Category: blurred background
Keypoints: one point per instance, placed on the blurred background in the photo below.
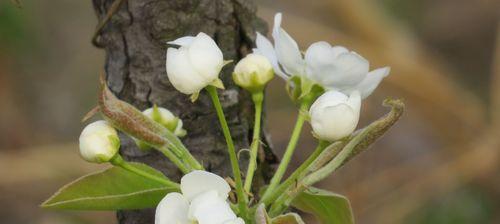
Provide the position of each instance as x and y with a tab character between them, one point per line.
439	164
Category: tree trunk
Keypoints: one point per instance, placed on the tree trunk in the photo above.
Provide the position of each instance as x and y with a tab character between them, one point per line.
134	39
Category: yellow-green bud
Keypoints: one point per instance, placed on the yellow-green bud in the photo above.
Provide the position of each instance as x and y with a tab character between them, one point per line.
165	118
99	142
253	72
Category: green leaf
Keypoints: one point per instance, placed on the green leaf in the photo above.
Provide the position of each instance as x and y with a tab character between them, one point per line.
289	218
327	207
111	189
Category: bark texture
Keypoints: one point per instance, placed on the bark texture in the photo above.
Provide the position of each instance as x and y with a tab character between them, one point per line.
134	39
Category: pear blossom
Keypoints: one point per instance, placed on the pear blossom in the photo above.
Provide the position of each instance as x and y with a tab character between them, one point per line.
253	72
203	201
335	115
332	67
195	64
99	142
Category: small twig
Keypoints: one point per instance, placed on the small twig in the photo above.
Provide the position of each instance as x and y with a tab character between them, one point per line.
112	10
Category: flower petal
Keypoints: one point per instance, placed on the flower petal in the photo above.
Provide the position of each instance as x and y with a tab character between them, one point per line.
206	57
372	80
181	73
350	69
200	181
287	50
319	60
329	126
183	41
173	208
266	49
209	208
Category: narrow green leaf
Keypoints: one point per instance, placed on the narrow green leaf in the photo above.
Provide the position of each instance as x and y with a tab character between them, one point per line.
327	207
111	189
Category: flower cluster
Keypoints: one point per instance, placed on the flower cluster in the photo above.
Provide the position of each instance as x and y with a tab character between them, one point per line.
333	68
328	82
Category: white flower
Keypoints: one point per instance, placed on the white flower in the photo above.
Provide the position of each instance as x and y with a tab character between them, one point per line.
333	68
203	201
99	142
335	115
195	64
166	118
253	72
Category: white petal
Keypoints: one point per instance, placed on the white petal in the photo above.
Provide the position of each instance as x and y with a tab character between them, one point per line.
337	50
200	181
372	80
287	50
266	49
319	60
335	122
183	41
181	73
206	57
209	208
235	221
172	209
354	101
329	98
350	69
334	115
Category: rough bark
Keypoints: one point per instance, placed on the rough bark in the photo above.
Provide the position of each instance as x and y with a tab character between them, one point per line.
135	38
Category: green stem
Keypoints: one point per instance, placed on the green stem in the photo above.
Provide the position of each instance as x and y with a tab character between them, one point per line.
232	151
304	106
299	172
172	157
257	100
118	161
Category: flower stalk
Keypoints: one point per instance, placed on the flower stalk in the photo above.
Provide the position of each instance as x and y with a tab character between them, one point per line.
299	172
290	149
258	99
242	205
117	160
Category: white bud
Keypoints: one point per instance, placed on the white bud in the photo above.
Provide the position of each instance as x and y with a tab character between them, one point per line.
334	115
195	64
166	118
99	142
253	72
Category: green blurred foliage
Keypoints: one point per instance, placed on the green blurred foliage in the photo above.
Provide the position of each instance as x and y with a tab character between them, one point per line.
463	206
15	31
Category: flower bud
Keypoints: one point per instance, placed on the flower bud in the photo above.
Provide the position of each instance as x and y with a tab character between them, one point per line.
166	118
253	72
195	64
334	115
99	142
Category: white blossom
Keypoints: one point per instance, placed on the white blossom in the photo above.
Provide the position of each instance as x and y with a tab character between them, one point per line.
99	142
203	201
335	115
332	67
195	64
253	72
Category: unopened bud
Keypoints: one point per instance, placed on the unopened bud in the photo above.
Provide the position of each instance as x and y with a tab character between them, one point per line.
99	142
253	72
167	119
335	115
